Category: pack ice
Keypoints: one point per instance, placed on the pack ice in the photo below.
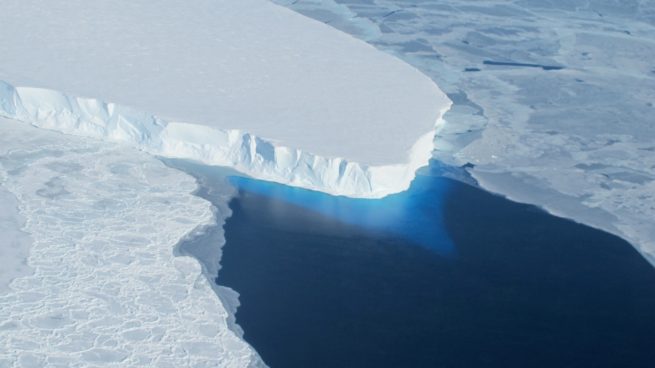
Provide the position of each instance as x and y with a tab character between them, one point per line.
246	84
103	285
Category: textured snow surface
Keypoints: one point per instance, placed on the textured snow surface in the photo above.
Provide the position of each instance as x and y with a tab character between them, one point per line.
106	288
553	101
288	81
14	243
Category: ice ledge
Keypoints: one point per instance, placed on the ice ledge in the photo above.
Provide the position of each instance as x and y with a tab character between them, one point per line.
234	148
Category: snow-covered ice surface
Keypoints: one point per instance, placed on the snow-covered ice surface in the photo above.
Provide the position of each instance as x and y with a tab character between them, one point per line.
14	243
553	101
270	92
105	287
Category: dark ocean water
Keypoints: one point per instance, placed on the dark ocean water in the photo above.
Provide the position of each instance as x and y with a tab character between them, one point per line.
444	275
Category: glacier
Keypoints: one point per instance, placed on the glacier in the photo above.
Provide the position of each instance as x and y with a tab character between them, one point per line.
98	275
105	284
248	84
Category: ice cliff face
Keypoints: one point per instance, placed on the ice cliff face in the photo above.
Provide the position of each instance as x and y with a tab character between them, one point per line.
245	152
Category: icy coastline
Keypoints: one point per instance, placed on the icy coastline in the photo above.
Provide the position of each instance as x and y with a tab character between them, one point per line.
106	286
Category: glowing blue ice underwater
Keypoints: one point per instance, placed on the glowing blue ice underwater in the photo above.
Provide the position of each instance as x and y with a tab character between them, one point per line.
415	215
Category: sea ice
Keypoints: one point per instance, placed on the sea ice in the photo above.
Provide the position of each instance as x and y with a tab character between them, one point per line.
14	243
553	101
105	286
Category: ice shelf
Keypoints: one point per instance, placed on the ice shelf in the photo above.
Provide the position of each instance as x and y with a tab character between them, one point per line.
247	84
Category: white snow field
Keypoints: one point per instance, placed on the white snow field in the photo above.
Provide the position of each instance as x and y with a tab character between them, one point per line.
104	286
578	141
247	84
14	243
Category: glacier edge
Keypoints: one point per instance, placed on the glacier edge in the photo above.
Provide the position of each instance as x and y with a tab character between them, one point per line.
249	154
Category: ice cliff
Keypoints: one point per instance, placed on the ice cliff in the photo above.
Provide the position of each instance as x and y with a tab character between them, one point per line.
235	148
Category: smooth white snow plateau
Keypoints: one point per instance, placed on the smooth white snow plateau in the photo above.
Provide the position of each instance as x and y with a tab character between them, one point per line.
246	84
